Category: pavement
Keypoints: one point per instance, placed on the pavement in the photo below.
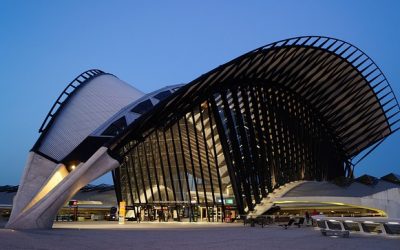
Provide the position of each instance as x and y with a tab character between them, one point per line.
173	235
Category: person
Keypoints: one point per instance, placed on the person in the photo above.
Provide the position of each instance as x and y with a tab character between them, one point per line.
308	217
166	216
160	213
138	216
315	212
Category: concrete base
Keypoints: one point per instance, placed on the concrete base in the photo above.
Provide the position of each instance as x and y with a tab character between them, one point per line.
41	213
37	171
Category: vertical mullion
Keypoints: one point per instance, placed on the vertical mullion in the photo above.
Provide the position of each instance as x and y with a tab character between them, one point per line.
236	151
314	147
246	156
233	174
281	134
185	167
216	161
306	145
154	166
290	137
200	164
263	148
252	141
117	184
162	165
207	155
141	173
297	139
267	124
191	158
129	181
148	169
276	140
169	166
132	163
176	161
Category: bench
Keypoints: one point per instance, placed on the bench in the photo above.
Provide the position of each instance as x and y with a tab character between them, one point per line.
292	221
300	222
261	220
340	233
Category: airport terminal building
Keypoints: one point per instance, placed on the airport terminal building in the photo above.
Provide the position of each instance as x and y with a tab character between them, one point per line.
293	111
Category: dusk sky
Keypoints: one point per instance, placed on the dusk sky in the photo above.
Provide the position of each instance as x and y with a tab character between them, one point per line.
150	44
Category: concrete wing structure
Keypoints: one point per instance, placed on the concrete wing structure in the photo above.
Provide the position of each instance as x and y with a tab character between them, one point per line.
383	196
297	109
84	105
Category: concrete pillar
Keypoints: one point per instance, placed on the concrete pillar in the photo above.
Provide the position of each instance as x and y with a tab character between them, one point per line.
41	214
36	173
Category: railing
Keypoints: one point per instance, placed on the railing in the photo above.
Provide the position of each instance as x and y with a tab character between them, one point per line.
67	92
363	225
268	202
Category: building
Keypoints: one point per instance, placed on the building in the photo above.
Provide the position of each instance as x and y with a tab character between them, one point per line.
93	202
295	110
366	196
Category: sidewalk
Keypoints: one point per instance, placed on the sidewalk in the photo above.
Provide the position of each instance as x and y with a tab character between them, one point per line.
175	235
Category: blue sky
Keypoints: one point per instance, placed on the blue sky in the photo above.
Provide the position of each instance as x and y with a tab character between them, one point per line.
149	44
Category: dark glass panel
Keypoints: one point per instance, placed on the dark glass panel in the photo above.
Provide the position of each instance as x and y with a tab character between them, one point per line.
116	127
143	107
162	95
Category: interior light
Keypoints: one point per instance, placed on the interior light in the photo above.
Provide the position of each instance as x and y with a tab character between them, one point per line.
337	203
393	223
73	167
348	221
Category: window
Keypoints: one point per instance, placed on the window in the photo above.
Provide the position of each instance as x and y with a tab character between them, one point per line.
367	180
162	95
143	107
116	127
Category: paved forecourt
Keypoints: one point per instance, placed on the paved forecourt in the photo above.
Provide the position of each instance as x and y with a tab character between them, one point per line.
108	235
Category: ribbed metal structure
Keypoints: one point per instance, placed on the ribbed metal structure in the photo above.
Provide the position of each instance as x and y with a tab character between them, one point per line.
296	109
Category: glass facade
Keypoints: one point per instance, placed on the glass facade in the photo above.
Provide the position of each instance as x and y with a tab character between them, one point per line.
227	153
180	166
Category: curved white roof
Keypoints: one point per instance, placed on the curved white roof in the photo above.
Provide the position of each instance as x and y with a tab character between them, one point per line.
90	106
